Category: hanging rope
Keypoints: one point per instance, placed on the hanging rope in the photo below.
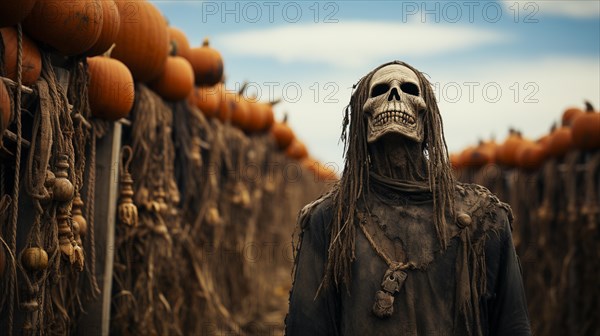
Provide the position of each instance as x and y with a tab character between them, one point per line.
15	197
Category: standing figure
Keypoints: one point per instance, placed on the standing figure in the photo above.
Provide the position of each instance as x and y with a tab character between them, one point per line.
398	247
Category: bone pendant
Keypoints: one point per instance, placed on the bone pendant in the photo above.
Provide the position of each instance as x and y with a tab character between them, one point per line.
393	280
384	304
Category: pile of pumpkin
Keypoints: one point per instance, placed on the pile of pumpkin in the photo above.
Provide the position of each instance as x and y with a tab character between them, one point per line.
128	41
579	130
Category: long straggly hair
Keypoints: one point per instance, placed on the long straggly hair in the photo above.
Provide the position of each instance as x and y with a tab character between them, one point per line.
353	185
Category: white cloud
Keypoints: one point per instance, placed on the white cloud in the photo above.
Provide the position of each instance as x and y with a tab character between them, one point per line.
580	9
354	44
534	94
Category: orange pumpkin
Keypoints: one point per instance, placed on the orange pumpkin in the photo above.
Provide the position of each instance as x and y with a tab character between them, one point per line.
465	156
560	141
207	63
13	11
483	154
531	155
237	108
269	116
507	152
208	100
586	129
569	115
455	161
143	40
70	27
31	61
176	82
261	116
179	43
111	88
224	109
111	21
282	133
5	107
296	150
255	120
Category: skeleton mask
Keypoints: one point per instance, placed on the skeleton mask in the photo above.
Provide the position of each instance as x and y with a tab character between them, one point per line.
395	104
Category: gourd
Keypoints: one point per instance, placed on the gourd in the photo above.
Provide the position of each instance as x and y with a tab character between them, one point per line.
143	40
237	108
560	142
282	134
31	61
296	150
111	22
483	154
70	27
179	43
208	99
111	88
507	152
207	63
586	129
176	81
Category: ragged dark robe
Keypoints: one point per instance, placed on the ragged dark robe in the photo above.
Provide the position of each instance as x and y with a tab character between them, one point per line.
474	287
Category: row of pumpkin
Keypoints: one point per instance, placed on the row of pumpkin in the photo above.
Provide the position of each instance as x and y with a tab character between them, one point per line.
130	41
579	130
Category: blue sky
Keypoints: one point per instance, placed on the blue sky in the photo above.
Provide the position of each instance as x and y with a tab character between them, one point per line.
495	64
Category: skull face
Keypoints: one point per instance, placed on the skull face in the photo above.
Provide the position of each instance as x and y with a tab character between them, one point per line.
395	104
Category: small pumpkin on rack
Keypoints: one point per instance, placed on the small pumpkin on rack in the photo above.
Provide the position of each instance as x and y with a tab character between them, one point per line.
507	152
261	115
143	40
208	99
282	133
238	108
296	150
176	81
465	156
179	43
111	22
569	115
70	27
111	88
207	63
31	61
560	142
531	155
455	161
586	129
484	153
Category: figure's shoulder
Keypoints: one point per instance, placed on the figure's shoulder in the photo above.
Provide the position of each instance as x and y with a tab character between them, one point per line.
486	210
318	211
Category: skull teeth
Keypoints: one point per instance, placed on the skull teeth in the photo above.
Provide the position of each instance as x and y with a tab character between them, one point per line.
393	116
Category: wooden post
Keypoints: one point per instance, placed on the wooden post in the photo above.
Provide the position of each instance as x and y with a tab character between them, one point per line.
96	318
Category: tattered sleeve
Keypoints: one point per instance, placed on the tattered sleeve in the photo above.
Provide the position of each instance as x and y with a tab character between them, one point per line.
310	314
508	314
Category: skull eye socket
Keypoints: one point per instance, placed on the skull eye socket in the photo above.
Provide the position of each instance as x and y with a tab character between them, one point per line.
379	89
410	88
